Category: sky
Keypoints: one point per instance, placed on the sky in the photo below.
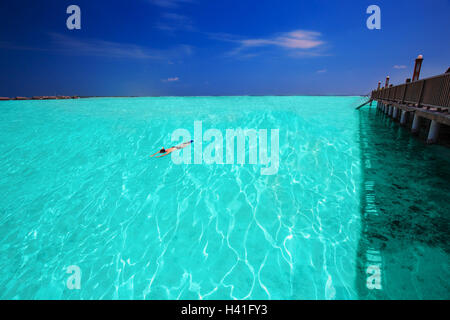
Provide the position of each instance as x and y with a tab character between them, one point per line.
217	47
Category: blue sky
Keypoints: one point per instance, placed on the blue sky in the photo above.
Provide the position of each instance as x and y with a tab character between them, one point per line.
209	47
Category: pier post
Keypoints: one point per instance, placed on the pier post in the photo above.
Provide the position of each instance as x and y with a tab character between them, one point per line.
403	118
391	109
386	84
433	133
417	67
394	113
416	124
379	85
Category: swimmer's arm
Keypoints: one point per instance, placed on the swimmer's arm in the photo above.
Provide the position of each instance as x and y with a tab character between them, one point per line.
184	145
165	154
154	154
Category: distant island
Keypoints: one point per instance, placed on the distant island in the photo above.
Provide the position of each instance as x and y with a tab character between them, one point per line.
40	98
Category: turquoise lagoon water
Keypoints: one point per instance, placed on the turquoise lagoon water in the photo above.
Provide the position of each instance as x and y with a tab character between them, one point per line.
357	210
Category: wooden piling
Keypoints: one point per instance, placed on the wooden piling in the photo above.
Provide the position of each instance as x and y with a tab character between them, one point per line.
416	124
403	117
394	113
433	132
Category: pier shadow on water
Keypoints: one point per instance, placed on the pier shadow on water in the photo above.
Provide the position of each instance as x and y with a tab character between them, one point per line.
403	251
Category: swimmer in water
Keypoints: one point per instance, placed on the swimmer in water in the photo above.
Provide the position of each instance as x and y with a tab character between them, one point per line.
165	152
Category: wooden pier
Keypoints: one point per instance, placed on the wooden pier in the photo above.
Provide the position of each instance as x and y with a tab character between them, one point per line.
417	100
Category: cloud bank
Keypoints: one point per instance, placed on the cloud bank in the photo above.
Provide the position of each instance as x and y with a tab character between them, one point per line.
298	42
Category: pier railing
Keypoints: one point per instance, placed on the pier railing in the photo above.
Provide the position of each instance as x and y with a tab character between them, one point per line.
429	92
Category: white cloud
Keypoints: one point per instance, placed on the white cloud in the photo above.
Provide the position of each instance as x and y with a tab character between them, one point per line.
102	48
174	79
169	3
71	45
299	42
399	67
12	46
173	21
297	39
322	71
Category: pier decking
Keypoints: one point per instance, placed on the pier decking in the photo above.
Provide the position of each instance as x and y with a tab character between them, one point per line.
421	99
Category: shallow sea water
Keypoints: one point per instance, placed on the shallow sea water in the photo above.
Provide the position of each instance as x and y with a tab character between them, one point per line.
355	197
